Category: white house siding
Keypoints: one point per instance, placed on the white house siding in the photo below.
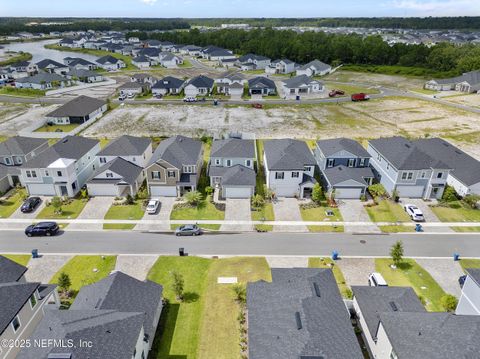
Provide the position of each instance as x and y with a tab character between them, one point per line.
191	91
40	189
383	348
363	324
461	188
469	303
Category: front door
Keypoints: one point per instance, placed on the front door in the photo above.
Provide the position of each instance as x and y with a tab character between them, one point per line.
63	190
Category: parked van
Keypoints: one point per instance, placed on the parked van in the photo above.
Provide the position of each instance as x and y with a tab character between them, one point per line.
376	280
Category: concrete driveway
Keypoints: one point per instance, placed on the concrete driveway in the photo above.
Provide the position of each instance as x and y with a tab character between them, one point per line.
135	266
446	272
18	214
44	268
356	270
287	209
353	210
427	213
163	213
237	209
96	208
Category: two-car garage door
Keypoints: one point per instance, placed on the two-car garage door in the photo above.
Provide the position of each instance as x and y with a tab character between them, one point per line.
167	191
41	189
103	189
237	192
348	193
410	191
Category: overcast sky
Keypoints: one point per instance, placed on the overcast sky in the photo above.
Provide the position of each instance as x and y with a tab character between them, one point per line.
238	8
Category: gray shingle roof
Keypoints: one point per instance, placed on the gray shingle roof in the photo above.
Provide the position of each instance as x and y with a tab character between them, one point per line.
326	331
79	61
20	146
42	78
131	85
251	58
317	65
374	301
140	58
72	147
123	293
82	73
48	62
472	77
332	146
338	174
178	151
233	147
78	107
298	81
433	335
108	58
128	171
403	154
10	271
474	273
201	81
287	154
13	297
168	82
126	146
237	175
261	82
113	334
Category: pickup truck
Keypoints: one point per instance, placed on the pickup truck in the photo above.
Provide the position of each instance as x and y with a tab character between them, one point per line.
360	97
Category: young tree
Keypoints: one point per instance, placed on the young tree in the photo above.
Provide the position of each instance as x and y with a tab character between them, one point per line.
178	285
193	197
317	193
208	190
56	203
129	199
257	201
64	282
449	302
240	293
396	252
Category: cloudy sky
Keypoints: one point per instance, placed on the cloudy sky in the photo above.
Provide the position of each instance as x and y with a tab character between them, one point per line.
238	8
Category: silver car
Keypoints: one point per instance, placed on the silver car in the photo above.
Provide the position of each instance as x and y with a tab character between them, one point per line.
188	230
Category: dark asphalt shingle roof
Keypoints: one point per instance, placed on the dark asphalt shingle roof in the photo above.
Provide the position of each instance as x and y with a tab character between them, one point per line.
126	146
178	151
317	65
332	146
107	59
82	73
237	175
252	57
201	82
168	82
128	171
10	271
233	148
298	81
338	174
78	107
79	61
20	146
42	78
49	63
373	301
287	154
141	58
472	77
13	297
326	331
261	82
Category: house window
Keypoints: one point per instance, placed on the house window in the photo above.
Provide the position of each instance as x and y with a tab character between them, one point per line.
217	161
351	162
134	159
307	168
29	174
439	175
330	162
15	324
34	174
8	162
279	175
109	175
423	174
156	175
59	173
362	162
407	175
103	160
19	160
248	163
295	174
410	175
229	163
171	174
47	174
33	301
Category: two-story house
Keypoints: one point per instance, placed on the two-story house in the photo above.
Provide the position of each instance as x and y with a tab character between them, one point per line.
175	167
14	152
62	169
289	167
283	66
469	302
231	167
252	62
120	167
344	167
408	167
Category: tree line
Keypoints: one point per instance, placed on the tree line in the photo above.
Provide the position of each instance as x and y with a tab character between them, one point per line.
446	58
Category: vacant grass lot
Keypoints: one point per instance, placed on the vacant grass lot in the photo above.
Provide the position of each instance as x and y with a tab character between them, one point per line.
70	210
318	214
132	212
411	274
57	128
462	214
21	259
387	211
397	229
205	210
265	213
12	91
10	204
337	272
351	89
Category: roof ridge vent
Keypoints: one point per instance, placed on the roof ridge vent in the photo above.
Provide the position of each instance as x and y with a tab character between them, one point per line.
298	319
393	305
317	289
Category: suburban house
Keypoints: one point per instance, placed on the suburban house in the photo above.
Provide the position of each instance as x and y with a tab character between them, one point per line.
143	78
133	88
137	150
62	169
191	50
42	81
14	152
200	85
85	76
23	305
79	63
175	167
170	60
168	85
468	82
396	325
302	85
289	167
110	63
261	86
52	67
299	314
230	83
118	315
283	66
142	62
469	302
79	110
23	69
344	167
408	167
314	68
214	53
252	62
231	167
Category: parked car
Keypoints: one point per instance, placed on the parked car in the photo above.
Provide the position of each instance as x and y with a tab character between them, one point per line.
376	280
30	204
152	206
188	230
122	97
461	280
360	97
334	93
257	105
189	99
159	96
414	212
131	95
42	229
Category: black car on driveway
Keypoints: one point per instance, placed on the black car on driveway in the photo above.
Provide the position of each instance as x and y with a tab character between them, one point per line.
42	229
30	204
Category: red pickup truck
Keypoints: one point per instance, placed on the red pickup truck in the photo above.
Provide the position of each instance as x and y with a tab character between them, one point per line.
360	97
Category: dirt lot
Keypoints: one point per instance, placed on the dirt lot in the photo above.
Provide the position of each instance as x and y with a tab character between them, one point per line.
468	100
16	117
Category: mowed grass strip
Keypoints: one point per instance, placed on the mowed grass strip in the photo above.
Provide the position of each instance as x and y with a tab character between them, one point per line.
461	214
318	214
205	210
10	204
410	274
265	213
128	212
470	263
70	210
387	211
337	273
21	259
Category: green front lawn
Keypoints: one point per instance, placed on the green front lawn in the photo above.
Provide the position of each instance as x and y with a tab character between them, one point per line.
21	259
350	89
264	214
17	57
70	210
132	212
12	91
205	210
470	263
387	211
462	214
466	229
10	204
337	273
57	128
396	229
186	64
411	274
317	214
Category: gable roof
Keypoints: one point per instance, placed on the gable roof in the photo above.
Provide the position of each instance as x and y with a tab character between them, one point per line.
126	146
121	292
108	59
82	73
141	58
10	271
80	106
128	171
79	61
339	174
332	146
233	147
237	175
20	146
299	81
472	78
321	329
43	64
41	78
317	65
178	151
13	297
201	81
252	57
168	82
261	82
287	154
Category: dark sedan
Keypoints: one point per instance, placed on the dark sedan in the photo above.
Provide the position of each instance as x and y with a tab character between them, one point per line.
188	230
30	204
42	229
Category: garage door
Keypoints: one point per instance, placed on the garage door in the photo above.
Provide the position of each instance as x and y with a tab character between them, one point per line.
41	189
410	191
237	192
168	191
348	193
98	189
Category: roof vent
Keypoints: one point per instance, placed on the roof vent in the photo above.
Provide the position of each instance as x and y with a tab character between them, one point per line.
298	320
407	145
98	303
393	306
317	289
60	356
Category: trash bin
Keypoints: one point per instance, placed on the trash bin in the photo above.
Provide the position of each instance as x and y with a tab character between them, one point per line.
334	255
418	228
181	252
215	102
456	256
297	98
34	253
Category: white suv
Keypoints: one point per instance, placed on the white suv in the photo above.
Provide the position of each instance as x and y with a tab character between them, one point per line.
376	280
414	212
152	206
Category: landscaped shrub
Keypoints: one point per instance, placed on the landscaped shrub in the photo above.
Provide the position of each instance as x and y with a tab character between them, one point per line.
193	198
449	302
472	200
317	193
258	201
377	190
449	194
